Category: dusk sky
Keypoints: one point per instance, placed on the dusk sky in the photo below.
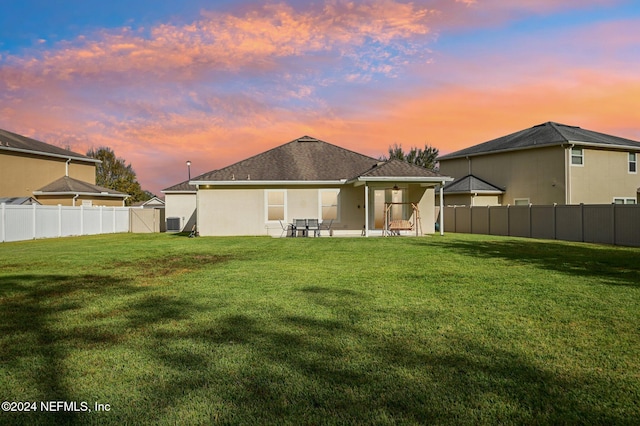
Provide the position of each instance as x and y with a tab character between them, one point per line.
215	82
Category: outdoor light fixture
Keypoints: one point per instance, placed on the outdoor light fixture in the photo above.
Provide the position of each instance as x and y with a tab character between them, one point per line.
189	169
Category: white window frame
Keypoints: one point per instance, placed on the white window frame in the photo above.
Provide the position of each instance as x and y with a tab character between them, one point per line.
625	200
580	156
320	205
519	200
633	162
266	206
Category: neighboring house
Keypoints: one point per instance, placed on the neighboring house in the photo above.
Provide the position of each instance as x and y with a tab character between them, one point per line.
547	164
311	179
18	201
180	207
152	203
50	174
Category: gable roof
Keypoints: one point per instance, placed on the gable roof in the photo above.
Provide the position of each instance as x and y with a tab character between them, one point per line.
471	184
10	141
543	135
308	160
70	186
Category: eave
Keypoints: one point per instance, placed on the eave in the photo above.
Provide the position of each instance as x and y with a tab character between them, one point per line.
47	154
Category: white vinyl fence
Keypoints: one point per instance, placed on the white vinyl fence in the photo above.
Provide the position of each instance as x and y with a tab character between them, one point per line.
18	223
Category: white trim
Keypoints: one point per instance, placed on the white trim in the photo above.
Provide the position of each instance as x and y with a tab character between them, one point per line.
92	194
266	206
411	179
47	154
581	156
624	200
634	162
199	183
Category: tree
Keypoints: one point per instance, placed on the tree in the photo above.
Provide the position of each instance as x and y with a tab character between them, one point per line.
114	173
424	157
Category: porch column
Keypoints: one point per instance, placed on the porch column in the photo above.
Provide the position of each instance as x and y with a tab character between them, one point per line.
441	209
366	210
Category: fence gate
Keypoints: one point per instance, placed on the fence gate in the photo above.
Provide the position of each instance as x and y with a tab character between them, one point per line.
144	221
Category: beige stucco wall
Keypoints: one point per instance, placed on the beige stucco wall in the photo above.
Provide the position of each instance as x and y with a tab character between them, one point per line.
603	176
536	174
21	174
182	206
242	210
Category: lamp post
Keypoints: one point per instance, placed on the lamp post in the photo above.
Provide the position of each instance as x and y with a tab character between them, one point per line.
189	169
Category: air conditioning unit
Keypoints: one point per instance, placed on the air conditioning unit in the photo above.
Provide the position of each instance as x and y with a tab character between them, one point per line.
173	224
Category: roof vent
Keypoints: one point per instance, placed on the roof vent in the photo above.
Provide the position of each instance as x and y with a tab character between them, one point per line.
307	139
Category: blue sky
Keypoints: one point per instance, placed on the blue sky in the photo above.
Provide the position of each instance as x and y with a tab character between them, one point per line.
217	81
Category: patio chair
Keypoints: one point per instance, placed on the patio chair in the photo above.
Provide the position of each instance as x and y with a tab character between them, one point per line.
286	228
326	226
300	226
313	225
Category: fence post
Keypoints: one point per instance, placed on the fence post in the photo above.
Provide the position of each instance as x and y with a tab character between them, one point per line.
471	219
508	220
81	219
33	222
100	221
3	221
553	222
613	222
113	209
530	222
582	221
455	219
59	220
489	220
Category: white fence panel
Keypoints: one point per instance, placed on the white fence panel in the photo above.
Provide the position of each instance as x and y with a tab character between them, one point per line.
91	219
47	221
19	223
71	221
122	220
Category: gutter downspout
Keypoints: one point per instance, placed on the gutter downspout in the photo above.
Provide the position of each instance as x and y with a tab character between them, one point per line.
441	209
66	168
74	199
567	174
366	210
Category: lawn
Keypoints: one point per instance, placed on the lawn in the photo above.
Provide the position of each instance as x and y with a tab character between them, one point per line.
459	329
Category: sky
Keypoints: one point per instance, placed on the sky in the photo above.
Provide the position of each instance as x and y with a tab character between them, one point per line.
215	82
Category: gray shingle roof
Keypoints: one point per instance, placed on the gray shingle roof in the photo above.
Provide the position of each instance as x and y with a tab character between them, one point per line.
72	186
18	201
546	134
181	187
303	159
14	142
397	168
471	184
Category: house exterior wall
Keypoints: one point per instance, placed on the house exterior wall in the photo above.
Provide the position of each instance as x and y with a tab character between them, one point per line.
534	174
21	173
603	176
182	206
243	210
54	200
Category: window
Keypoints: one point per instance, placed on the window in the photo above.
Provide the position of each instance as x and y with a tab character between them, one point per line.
624	200
329	204
521	201
276	205
577	157
633	162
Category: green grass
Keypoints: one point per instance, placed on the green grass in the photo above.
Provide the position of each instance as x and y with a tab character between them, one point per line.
435	330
